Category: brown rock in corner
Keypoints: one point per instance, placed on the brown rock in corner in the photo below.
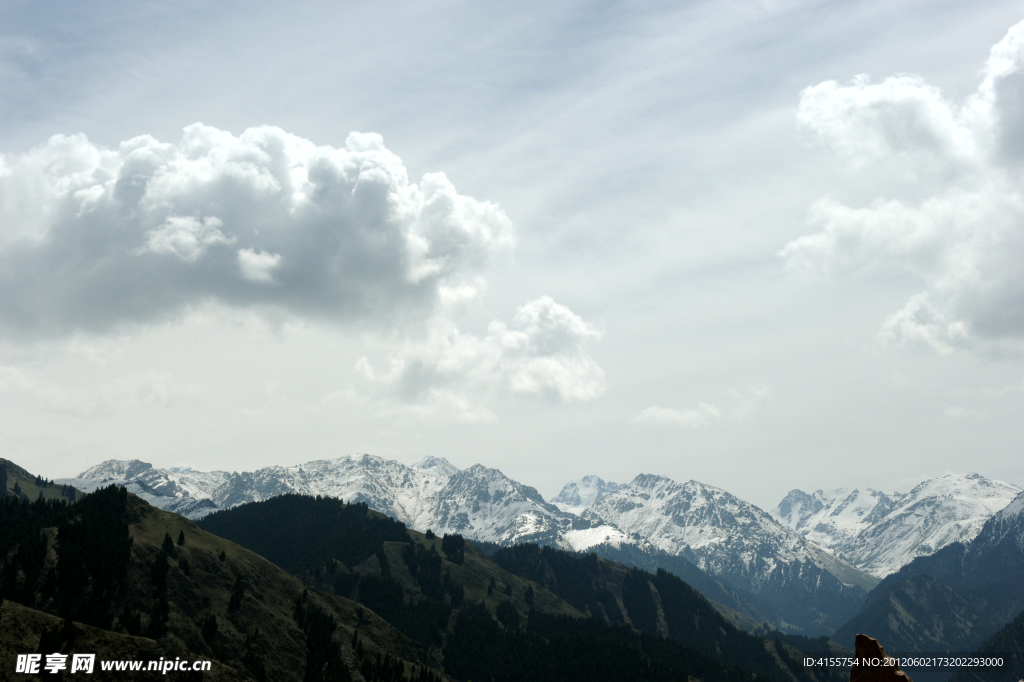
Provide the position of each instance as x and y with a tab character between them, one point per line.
868	649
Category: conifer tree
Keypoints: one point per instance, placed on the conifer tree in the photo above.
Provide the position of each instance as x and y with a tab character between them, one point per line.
210	629
237	593
168	545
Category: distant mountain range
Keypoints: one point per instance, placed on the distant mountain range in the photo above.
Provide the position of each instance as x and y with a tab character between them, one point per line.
880	532
780	567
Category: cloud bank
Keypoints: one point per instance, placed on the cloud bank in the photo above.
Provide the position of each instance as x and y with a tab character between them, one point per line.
94	237
958	224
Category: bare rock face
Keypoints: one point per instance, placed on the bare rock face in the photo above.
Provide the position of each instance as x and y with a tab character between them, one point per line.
869	652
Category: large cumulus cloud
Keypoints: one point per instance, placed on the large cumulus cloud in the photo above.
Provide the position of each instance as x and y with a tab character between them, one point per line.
93	237
954	214
95	240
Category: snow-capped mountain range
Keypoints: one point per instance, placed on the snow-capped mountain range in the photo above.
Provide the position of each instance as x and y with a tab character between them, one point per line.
880	532
790	560
480	503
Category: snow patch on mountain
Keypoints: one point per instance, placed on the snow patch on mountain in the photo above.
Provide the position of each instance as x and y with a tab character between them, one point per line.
437	465
582	539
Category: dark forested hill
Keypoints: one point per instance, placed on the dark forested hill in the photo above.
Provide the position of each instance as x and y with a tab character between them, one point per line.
127	581
651	559
1009	640
527	614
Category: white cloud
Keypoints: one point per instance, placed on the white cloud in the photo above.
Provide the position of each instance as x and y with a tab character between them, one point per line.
738	406
258	266
958	221
956	412
542	353
919	323
93	237
702	415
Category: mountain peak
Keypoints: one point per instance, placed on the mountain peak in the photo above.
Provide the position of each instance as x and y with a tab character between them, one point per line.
119	469
650	480
436	465
576	496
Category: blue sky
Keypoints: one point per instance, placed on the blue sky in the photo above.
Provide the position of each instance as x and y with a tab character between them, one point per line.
676	239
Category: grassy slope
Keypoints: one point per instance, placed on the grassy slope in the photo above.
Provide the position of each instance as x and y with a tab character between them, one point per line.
31	491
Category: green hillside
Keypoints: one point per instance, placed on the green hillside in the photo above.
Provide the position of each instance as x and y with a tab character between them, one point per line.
18	483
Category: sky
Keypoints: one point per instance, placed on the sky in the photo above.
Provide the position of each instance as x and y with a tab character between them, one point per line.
763	245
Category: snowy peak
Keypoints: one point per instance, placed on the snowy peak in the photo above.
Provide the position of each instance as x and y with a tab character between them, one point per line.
719	530
116	469
834	518
437	465
796	508
182	492
880	532
479	502
577	496
484	504
738	544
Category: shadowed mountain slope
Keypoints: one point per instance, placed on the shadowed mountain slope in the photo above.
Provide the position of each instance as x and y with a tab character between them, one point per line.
471	612
1009	640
